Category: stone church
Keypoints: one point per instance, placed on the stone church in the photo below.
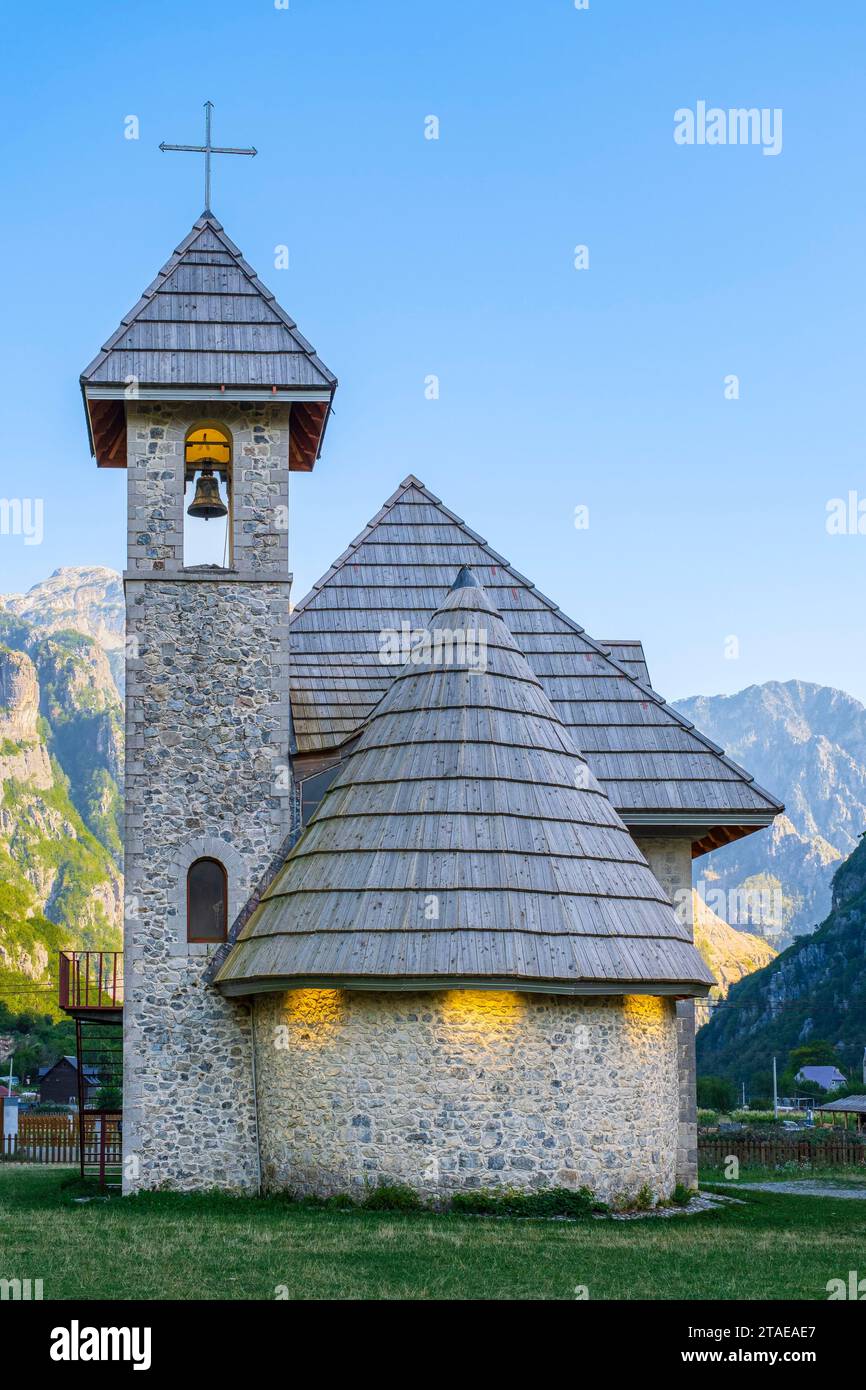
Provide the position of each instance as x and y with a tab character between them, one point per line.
402	860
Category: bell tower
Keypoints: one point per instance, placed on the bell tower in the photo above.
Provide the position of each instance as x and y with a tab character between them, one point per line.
209	397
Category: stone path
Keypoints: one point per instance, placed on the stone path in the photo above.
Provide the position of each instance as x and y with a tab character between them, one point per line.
702	1201
805	1187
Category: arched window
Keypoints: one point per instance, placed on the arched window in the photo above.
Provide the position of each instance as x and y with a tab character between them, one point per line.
206	901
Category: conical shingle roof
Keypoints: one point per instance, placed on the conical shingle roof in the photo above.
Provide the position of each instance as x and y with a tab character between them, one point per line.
465	843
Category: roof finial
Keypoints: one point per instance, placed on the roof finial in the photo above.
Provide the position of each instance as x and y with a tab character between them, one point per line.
465	580
207	149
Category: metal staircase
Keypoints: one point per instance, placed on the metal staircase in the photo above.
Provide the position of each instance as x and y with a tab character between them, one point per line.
91	992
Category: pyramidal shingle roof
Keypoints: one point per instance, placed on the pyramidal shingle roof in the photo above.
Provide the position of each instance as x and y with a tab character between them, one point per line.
207	322
654	765
465	842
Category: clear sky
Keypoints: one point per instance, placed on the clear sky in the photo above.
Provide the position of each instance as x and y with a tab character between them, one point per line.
602	387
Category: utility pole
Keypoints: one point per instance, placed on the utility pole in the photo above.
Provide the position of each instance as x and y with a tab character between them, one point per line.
775	1092
744	1095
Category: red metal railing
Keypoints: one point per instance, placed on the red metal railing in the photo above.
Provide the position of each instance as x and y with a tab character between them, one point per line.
91	980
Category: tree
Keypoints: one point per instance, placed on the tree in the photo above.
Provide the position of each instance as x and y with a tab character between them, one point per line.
761	1083
818	1053
108	1098
716	1093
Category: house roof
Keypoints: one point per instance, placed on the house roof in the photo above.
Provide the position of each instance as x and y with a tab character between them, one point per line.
657	769
465	842
629	654
851	1105
822	1076
207	327
92	1073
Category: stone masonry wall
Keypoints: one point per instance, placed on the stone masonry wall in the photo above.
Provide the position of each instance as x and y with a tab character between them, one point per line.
156	433
463	1088
207	720
670	859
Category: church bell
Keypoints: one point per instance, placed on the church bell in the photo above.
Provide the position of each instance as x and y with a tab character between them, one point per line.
207	502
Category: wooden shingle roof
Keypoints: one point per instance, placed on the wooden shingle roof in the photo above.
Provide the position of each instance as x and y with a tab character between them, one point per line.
657	769
208	327
465	843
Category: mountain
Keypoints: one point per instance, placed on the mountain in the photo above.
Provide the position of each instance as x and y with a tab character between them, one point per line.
807	744
814	989
730	954
84	599
61	748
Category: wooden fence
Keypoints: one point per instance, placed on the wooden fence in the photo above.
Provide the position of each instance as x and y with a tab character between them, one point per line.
56	1139
772	1153
48	1129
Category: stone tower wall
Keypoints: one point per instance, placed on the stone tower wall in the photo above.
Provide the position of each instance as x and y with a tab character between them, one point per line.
207	723
466	1089
670	859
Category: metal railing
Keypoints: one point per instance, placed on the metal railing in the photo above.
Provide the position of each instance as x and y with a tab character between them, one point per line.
91	980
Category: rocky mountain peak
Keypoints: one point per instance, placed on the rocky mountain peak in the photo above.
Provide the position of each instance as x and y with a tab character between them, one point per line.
19	696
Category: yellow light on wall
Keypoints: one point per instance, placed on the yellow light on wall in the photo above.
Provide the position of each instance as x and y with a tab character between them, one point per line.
485	1008
311	1016
643	1011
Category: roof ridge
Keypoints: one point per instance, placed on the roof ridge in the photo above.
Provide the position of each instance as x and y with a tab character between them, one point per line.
647	692
342	560
207	222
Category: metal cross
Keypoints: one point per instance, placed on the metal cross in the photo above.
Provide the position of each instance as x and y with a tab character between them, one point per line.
207	149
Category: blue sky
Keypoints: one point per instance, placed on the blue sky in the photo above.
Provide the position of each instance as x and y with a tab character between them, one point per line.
408	257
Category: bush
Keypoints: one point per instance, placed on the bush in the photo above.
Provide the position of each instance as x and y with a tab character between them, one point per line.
708	1117
341	1202
392	1197
681	1195
551	1202
645	1200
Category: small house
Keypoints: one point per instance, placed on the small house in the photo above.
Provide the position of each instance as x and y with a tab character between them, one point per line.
828	1078
58	1083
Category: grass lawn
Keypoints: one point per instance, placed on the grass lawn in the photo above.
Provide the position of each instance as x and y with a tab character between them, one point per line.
211	1246
832	1174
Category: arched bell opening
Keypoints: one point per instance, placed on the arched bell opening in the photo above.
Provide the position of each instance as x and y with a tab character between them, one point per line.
207	520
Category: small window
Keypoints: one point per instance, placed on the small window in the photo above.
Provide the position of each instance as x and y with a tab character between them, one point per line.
206	901
313	789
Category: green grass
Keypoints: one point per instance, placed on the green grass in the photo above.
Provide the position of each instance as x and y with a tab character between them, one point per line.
160	1245
855	1175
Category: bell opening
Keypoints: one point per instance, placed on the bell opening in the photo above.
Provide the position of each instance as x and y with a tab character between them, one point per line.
207	514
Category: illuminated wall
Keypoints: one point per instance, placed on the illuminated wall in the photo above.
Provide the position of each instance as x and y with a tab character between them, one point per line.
465	1089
